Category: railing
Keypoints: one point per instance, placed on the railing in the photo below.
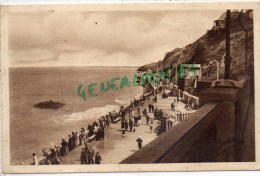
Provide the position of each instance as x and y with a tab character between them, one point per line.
150	82
205	78
190	98
214	133
139	77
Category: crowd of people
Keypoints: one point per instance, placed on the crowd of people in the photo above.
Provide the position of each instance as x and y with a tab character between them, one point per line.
134	119
87	156
93	132
130	118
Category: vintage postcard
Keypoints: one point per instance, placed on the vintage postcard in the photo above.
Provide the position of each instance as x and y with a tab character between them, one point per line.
130	87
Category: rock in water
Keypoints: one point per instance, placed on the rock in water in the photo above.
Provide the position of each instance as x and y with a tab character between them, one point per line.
49	105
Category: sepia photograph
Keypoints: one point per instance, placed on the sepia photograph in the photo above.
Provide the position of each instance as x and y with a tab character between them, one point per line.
89	88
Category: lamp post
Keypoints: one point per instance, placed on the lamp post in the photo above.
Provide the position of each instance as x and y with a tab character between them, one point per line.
228	56
176	74
169	74
217	63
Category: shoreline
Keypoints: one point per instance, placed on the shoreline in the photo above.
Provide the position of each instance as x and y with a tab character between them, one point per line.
49	126
87	121
116	143
118	146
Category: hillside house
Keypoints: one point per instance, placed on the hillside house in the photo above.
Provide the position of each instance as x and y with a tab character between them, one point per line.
189	70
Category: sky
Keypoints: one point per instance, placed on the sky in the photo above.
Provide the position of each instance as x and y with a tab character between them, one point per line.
112	38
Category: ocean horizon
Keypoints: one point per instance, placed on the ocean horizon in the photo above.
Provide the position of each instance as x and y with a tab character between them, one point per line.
71	66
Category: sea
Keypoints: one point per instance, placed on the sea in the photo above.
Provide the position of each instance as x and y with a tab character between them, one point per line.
33	129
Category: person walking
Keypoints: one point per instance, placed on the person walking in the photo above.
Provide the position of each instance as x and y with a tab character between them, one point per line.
73	140
130	112
160	114
135	120
53	157
138	109
123	114
107	120
35	159
70	145
147	120
111	117
64	148
57	150
145	112
131	104
126	125
122	125
131	123
76	139
81	137
139	120
146	116
91	155
139	142
151	128
172	106
155	98
98	158
152	119
155	113
150	108
159	128
83	159
88	157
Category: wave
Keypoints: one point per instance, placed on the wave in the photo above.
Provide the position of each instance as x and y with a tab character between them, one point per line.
122	102
127	101
97	112
138	96
92	113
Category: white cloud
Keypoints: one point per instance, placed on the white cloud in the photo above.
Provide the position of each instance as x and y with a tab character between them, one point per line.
102	38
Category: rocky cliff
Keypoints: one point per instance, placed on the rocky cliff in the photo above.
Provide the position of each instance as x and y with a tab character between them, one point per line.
211	46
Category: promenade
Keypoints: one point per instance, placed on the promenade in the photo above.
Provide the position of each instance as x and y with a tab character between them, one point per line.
118	146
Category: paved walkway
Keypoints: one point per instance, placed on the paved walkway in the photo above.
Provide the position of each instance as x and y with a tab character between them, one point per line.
118	146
